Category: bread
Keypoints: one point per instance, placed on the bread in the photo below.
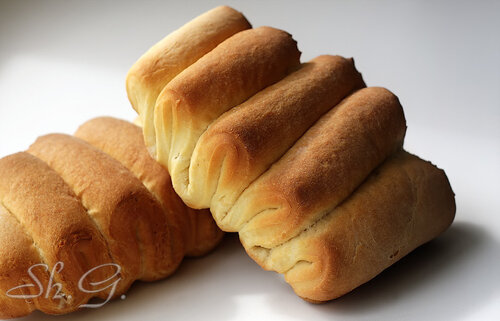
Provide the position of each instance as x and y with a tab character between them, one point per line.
43	222
173	54
68	201
123	141
404	203
128	216
274	161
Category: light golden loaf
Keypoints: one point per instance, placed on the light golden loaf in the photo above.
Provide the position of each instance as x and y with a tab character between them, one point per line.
273	161
66	201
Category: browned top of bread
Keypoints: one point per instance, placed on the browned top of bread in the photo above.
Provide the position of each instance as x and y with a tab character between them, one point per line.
325	165
274	118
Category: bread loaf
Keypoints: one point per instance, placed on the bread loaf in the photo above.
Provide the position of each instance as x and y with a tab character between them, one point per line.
67	208
286	155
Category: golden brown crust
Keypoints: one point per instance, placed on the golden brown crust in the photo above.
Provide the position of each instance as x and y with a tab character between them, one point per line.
43	222
174	53
194	232
403	204
325	165
235	70
247	139
128	216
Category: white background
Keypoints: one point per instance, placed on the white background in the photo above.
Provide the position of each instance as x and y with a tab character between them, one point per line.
64	62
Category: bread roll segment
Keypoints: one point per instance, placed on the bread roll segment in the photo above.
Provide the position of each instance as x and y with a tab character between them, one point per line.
225	77
241	144
174	53
403	204
50	226
16	260
322	169
194	232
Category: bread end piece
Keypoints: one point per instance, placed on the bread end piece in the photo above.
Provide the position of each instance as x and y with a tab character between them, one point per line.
404	203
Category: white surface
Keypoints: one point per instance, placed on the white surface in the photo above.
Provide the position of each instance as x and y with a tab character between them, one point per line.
62	63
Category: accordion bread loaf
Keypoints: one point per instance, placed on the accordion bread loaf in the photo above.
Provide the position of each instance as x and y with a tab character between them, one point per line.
68	202
273	161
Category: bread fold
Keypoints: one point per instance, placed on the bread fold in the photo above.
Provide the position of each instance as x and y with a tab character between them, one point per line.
403	204
225	77
173	54
43	222
241	144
